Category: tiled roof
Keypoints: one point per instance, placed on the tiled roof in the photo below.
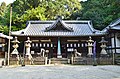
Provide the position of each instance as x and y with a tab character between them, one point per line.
5	36
115	25
37	28
116	22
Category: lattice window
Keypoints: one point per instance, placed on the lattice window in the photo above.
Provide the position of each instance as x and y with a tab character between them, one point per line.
40	45
67	45
78	45
75	45
44	45
82	45
51	45
71	45
47	45
36	44
33	44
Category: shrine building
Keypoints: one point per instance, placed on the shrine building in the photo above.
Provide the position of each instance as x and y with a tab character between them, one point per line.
59	37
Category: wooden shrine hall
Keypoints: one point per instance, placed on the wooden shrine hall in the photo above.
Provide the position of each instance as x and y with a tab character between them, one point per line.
59	37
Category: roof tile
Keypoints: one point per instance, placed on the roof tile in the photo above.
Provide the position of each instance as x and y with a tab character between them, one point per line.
37	28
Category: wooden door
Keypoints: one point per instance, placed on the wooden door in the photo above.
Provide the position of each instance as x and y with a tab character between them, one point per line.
54	52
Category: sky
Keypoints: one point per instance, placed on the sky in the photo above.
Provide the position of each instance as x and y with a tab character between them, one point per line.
6	1
10	1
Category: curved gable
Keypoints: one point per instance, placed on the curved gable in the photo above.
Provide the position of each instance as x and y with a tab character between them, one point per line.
58	25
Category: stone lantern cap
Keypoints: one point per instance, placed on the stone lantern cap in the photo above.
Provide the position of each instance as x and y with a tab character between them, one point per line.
28	40
103	40
15	40
90	40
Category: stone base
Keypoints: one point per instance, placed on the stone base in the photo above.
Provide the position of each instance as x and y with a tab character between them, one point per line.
59	56
59	61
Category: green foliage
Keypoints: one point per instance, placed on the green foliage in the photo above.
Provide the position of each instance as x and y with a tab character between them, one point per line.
4	29
33	14
64	8
20	6
2	8
43	10
52	8
2	13
25	10
101	12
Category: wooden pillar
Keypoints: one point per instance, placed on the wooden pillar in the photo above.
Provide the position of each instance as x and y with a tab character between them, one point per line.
115	42
114	48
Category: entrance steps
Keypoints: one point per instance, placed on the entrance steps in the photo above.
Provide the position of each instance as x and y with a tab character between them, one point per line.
59	61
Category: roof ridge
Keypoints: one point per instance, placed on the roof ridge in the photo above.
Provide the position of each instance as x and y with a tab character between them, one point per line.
28	25
91	27
84	21
112	24
115	22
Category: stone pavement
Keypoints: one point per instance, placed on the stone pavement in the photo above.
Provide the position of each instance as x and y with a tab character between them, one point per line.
61	72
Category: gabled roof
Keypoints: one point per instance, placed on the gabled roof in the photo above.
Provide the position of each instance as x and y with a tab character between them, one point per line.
58	28
115	25
59	25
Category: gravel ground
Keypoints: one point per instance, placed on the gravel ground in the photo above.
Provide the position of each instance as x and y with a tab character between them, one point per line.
61	72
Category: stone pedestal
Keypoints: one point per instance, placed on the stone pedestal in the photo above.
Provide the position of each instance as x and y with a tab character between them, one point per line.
90	53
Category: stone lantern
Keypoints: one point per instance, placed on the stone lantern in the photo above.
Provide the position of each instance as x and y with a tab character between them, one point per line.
28	54
103	46
15	46
15	51
28	45
90	46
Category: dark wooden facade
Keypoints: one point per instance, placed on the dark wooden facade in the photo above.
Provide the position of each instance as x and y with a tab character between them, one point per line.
68	44
3	44
2	48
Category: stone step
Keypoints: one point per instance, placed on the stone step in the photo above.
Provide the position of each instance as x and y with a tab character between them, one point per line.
79	61
59	60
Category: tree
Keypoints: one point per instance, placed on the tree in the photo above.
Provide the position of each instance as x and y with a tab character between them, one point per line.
20	6
53	8
101	12
43	10
2	12
2	8
64	8
4	29
33	14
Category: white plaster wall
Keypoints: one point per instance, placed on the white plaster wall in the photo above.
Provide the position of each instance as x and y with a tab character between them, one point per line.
112	41
117	43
